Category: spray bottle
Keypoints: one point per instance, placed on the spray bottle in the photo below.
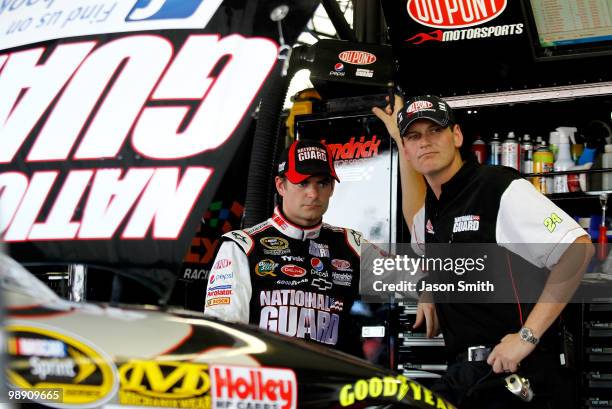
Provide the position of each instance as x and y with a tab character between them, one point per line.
563	160
510	152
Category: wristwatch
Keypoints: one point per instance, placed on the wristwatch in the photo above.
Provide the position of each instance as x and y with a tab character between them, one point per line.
527	335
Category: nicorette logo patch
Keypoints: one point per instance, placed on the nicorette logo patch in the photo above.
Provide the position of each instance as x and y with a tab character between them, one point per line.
455	13
357	57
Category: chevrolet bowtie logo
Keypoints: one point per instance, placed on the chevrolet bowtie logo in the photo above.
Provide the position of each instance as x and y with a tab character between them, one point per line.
321	284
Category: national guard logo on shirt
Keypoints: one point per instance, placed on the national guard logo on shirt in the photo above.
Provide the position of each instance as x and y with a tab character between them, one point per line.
274	243
466	223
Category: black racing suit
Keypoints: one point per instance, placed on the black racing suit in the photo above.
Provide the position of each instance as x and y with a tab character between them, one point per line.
286	279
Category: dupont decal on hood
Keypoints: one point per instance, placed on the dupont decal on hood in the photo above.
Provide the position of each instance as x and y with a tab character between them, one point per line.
451	14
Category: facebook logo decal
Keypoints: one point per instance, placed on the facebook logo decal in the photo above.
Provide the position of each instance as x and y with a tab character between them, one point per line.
163	9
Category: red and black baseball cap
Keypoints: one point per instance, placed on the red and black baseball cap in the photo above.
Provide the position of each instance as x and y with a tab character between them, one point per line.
306	158
425	107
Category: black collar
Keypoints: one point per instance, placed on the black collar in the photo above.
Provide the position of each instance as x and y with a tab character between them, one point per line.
455	184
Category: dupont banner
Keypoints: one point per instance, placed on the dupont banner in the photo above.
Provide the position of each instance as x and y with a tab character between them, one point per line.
461	47
112	146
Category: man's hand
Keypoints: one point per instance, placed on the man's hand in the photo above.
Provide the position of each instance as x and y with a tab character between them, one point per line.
389	118
508	354
426	311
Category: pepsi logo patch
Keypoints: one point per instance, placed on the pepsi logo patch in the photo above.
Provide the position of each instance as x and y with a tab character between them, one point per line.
316	263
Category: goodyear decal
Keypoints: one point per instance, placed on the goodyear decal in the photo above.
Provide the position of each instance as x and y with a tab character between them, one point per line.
390	388
164	383
41	358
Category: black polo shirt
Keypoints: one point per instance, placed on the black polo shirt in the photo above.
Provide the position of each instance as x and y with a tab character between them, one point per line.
491	204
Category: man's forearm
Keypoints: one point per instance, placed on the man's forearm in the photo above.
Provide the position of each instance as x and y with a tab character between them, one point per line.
561	285
413	188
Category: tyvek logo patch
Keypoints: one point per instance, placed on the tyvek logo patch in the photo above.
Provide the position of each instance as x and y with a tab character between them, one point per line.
163	9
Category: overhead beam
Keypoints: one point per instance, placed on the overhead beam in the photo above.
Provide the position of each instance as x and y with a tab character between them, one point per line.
339	22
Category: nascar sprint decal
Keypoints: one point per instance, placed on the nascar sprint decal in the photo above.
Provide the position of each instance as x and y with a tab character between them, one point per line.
164	384
114	106
252	387
42	358
454	20
301	314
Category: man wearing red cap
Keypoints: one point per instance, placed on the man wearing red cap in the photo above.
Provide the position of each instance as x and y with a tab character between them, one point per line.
291	274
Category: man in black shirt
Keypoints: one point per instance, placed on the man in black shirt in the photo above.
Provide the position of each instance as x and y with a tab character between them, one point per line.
501	208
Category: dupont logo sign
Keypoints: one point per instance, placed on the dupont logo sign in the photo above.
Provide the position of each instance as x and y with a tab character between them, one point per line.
450	14
244	387
419	106
357	57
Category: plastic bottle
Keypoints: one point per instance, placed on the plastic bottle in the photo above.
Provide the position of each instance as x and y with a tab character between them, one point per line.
495	150
563	162
553	142
606	162
575	148
480	150
526	155
510	152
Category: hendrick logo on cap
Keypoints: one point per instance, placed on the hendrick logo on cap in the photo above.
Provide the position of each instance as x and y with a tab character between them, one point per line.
281	166
417	106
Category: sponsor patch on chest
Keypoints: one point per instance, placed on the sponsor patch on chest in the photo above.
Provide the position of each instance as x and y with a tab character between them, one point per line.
466	223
